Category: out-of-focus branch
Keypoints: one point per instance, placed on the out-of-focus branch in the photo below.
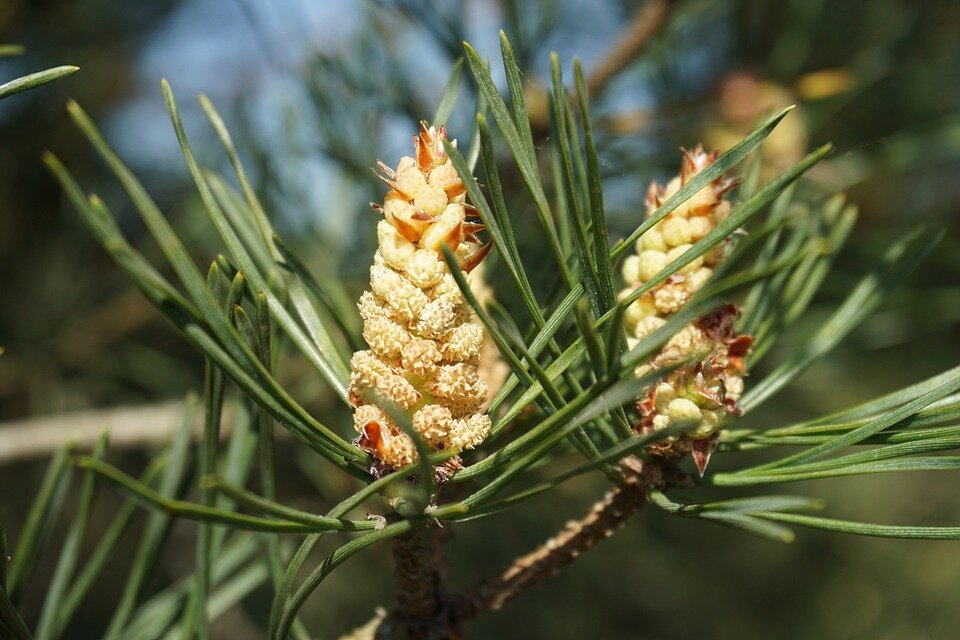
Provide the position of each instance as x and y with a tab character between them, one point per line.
602	521
129	427
650	17
648	20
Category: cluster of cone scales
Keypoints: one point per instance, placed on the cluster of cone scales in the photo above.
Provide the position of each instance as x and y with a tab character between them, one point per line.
703	392
706	356
423	336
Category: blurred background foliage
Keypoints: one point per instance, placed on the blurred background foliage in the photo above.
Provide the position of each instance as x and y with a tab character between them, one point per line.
315	92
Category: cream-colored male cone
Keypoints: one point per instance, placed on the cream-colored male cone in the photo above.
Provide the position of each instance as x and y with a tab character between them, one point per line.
424	338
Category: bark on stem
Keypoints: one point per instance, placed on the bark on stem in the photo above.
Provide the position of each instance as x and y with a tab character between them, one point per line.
604	519
417	582
421	611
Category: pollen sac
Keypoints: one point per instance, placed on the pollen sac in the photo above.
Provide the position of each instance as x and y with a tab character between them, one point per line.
425	341
706	357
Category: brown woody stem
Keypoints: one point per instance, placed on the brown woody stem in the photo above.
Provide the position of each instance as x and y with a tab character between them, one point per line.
603	520
425	612
419	556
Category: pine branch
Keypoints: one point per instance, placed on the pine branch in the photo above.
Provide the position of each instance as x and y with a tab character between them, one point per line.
604	519
646	23
422	610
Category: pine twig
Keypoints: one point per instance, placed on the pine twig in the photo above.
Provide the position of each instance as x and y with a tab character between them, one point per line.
546	561
422	611
416	578
646	23
650	17
432	562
